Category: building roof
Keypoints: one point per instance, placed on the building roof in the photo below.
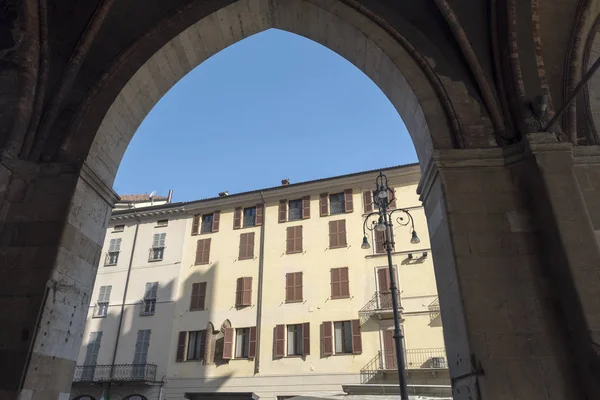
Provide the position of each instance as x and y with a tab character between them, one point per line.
134	198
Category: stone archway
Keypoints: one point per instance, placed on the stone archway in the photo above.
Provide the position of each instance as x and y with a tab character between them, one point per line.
516	278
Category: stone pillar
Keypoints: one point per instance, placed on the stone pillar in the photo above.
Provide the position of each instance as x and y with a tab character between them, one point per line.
51	233
504	331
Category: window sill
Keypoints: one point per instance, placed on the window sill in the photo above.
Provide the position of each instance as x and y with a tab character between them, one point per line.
293	301
206	263
197	309
296	356
339	297
295	252
100	316
143	314
246	258
338	247
110	265
194	360
155	260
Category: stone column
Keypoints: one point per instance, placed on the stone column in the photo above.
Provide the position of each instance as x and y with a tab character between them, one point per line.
51	233
505	336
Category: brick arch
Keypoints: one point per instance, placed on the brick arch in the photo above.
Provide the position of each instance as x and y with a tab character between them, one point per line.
431	121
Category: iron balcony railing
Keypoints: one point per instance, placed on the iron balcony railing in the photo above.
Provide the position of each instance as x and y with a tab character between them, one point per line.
156	253
337	207
381	301
427	358
120	373
370	370
249	220
206	226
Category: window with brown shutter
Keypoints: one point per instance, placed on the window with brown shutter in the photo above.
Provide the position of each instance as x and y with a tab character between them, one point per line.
227	343
246	246
279	341
293	287
306	207
216	221
324	204
282	210
198	296
347	338
379	242
180	357
367	201
349	204
340	286
195	224
252	343
356	337
237	218
260	212
202	252
243	292
337	234
327	338
294	240
305	338
392	203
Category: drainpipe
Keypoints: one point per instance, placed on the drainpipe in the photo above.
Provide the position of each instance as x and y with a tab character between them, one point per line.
261	262
114	356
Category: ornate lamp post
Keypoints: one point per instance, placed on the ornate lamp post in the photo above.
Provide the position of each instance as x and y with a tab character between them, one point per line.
383	195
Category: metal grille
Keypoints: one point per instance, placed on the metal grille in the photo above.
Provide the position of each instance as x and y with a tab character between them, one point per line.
369	371
249	220
426	358
379	302
336	207
120	373
206	227
156	253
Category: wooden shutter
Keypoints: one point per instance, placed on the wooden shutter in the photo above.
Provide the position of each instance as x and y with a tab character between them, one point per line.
306	207
252	343
196	224
392	203
298	239
199	247
246	246
181	347
305	338
349	205
216	221
289	287
260	211
335	283
367	201
342	233
202	252
298	286
383	278
293	239
237	218
250	245
391	236
194	298
324	204
333	239
201	295
337	233
239	292
356	338
279	341
282	210
344	282
247	291
327	338
228	344
379	242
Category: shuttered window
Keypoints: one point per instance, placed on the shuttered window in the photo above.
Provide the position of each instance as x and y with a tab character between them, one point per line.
202	252
347	337
227	343
327	338
294	240
141	351
242	342
196	345
367	201
293	287
282	210
246	246
348	201
323	204
379	242
391	203
340	285
181	341
337	203
158	247
279	341
195	224
198	296
260	212
306	207
207	223
114	248
243	292
337	233
295	210
294	340
237	218
252	343
249	217
150	295
103	300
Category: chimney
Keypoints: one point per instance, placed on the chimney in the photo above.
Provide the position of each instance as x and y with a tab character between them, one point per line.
285	182
224	194
170	195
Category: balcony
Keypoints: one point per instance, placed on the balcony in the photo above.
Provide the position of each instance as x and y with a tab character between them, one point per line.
421	365
380	305
120	373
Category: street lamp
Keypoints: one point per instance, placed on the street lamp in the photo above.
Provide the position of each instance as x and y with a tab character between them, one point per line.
382	196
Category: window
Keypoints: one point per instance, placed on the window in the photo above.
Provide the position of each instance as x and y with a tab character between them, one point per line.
198	296
158	247
343	337
337	203
119	228
140	356
242	342
340	285
337	234
243	292
202	252
103	300
293	287
294	340
91	356
196	345
293	240
246	246
249	217
150	298
114	248
367	201
207	223
162	222
295	210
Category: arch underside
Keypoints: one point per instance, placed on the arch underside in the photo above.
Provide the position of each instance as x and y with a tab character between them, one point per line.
335	25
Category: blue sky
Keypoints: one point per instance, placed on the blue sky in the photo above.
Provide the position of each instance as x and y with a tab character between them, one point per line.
273	106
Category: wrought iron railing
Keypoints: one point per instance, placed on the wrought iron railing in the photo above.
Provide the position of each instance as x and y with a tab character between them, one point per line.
336	207
120	373
249	220
379	302
156	253
426	358
434	309
206	227
112	257
370	370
